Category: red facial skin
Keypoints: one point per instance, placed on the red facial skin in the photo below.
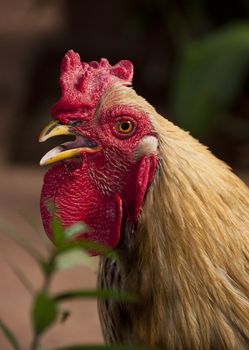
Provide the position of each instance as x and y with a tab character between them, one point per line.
100	187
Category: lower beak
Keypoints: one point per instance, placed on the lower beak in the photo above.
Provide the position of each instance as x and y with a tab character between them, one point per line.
81	144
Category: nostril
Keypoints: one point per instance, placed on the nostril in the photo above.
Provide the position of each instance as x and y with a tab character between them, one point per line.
74	122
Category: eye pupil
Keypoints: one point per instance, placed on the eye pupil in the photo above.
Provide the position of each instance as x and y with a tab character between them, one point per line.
125	126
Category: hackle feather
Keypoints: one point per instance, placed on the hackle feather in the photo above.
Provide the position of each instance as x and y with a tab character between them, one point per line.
188	262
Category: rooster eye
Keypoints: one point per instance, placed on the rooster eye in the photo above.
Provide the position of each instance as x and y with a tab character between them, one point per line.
124	126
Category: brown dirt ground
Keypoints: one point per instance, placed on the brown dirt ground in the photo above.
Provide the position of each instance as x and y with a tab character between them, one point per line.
19	200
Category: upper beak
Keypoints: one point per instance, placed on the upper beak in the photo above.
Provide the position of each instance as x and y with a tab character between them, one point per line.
66	150
54	128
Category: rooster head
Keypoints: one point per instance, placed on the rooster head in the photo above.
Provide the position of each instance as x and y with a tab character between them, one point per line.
100	177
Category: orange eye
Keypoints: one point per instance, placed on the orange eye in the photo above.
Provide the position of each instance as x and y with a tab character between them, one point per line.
124	126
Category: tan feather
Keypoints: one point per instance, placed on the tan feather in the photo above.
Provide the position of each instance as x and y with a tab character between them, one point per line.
189	261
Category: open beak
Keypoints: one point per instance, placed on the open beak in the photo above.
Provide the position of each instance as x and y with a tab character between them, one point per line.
66	150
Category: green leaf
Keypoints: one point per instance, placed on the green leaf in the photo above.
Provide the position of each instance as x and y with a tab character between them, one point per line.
22	278
58	235
209	77
18	239
71	258
33	224
44	312
77	228
10	336
102	294
89	246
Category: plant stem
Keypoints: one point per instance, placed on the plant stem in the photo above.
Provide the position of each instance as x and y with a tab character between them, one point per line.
35	342
47	280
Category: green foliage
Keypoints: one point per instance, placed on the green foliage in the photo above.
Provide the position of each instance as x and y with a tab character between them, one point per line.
47	308
58	232
210	75
76	229
22	278
9	335
71	258
101	294
44	312
10	231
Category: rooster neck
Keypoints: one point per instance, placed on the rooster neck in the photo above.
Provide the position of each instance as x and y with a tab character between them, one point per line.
188	272
188	260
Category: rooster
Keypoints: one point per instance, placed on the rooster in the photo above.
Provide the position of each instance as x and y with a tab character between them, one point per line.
176	215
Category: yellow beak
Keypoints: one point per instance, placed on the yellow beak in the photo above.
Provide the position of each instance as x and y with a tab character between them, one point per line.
54	128
66	150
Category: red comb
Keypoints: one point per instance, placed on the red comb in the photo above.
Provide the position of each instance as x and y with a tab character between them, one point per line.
82	84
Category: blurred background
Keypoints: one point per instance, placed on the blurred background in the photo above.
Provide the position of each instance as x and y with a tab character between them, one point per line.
191	61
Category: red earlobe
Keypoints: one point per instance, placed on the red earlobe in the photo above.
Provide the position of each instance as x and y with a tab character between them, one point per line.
138	185
118	221
145	175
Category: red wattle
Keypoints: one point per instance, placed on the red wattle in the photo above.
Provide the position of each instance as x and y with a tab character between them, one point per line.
68	189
